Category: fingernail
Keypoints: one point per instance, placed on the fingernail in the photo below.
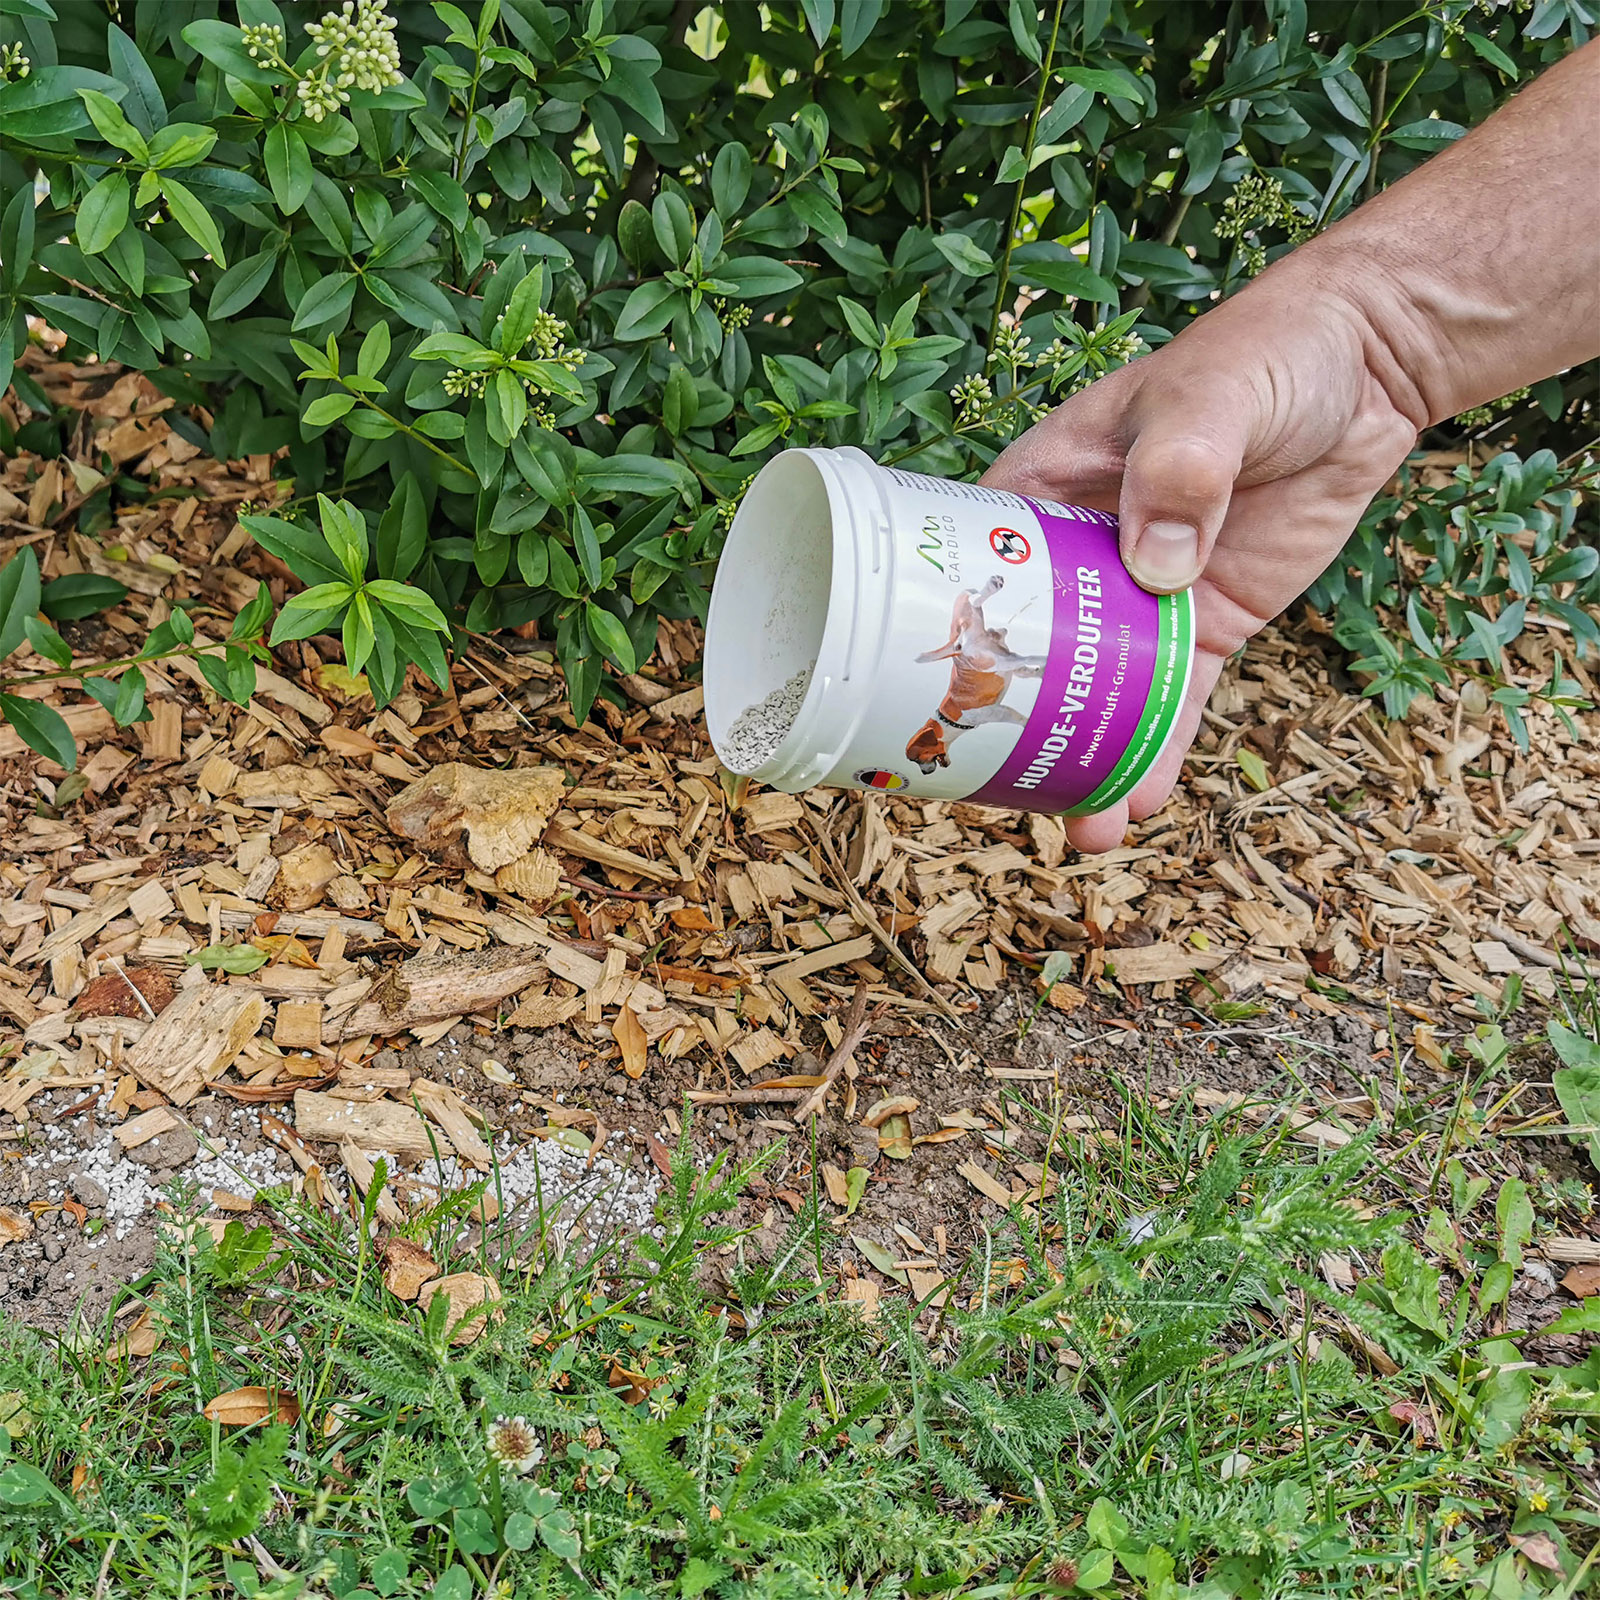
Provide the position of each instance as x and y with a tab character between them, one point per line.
1167	556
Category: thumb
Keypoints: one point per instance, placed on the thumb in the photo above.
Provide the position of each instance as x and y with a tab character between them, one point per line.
1176	486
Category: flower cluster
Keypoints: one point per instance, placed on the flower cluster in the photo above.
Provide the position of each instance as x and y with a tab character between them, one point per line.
264	41
728	509
971	395
514	1444
1257	203
732	318
1481	416
1010	345
359	40
318	98
13	64
546	337
461	383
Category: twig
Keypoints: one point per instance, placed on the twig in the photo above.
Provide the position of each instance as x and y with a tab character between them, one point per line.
878	931
616	894
746	1097
1003	276
1529	951
856	1027
144	1005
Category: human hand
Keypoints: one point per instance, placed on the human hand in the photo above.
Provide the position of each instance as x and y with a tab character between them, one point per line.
1239	458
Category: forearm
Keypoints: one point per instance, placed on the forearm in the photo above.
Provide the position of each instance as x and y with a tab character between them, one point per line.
1480	272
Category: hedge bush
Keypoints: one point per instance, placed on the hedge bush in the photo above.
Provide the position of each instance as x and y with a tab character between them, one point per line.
535	285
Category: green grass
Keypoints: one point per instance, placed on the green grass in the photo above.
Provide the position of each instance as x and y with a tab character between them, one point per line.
1146	1388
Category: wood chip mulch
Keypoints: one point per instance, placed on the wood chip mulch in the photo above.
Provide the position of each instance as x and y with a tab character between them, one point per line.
474	855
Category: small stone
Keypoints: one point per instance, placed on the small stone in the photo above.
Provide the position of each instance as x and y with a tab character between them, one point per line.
618	1084
386	1060
89	1193
53	1249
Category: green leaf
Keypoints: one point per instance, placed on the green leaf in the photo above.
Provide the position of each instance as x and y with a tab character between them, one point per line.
235	958
1493	54
124	698
306	554
328	408
857	19
252	618
1513	1212
194	219
325	300
239	286
680	402
103	213
41	728
345	529
390	1568
79	594
1577	1319
360	637
223	46
753	278
1429	133
288	166
312	611
1577	1087
444	194
648	311
19	598
1071	278
1254	769
112	126
403	529
964	254
412	604
610	636
47	642
22	1485
522	1532
1106	1525
819	17
521	313
181	144
373	355
1095	1569
861	323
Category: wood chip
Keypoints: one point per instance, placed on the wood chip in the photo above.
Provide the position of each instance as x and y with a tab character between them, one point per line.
382	1125
146	1126
427	988
983	1183
196	1039
486	816
298	1025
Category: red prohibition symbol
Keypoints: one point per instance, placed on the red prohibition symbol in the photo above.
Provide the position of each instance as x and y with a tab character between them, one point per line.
1009	545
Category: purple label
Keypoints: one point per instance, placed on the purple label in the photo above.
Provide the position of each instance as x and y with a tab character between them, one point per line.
1104	641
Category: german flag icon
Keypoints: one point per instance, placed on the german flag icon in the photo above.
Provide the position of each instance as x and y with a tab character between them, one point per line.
880	778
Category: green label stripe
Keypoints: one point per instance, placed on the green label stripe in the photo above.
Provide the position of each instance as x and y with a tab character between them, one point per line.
1168	685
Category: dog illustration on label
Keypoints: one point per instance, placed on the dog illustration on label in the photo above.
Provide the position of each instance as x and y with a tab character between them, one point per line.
982	666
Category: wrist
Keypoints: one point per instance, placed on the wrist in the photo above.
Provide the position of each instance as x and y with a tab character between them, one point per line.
1401	317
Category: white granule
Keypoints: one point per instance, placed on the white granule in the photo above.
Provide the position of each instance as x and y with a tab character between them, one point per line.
759	729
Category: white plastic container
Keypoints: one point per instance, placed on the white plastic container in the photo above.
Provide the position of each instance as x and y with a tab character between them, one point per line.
962	643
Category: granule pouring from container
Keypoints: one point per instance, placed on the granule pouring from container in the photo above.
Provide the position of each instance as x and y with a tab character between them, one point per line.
876	629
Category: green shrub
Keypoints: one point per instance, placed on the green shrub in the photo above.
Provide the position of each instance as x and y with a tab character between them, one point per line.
537	284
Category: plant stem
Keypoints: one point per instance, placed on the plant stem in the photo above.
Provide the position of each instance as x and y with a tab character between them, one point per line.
1022	182
100	668
408	430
